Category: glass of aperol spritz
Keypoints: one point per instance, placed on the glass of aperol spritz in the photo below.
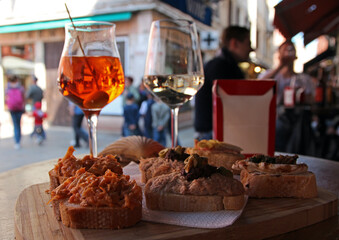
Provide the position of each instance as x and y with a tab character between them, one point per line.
90	73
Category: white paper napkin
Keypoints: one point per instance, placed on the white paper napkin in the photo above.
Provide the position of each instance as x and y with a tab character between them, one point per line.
217	219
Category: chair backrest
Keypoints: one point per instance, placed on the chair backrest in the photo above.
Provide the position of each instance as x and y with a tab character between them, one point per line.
244	113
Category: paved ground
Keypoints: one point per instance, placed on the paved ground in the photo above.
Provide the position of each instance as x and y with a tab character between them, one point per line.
58	139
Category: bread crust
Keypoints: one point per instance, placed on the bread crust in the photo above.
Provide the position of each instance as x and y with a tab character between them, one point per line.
54	183
190	203
75	216
182	203
262	185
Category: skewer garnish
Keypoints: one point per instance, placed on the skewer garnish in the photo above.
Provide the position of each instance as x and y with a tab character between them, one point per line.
82	50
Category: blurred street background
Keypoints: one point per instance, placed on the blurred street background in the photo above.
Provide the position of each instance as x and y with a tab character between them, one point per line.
59	139
32	36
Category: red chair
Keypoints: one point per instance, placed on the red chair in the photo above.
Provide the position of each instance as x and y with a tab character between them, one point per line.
244	114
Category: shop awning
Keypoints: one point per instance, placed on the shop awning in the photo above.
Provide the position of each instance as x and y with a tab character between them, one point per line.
312	17
113	17
15	65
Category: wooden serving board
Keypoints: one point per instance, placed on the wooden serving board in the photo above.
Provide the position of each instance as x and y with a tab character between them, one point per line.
262	218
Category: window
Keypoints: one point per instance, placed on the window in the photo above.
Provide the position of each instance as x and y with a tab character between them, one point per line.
122	43
53	52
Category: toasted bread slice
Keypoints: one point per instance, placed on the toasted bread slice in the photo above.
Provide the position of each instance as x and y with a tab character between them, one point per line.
88	201
75	216
67	166
263	185
173	192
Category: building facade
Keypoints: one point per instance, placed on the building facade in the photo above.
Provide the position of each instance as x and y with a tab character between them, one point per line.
31	37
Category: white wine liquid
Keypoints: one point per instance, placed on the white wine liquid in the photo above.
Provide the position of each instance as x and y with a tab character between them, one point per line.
174	90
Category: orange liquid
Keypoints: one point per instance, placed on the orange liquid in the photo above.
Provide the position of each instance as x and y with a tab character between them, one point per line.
91	82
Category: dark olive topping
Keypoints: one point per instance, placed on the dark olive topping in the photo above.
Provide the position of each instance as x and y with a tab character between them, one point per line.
262	158
177	153
197	167
225	172
280	159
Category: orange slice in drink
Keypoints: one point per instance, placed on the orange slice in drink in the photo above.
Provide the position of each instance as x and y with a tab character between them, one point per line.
98	99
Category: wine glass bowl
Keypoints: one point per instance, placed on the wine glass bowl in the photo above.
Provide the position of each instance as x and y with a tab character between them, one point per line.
89	91
90	72
173	70
174	90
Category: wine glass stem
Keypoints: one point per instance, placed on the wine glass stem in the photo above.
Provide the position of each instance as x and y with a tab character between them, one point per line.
174	124
92	121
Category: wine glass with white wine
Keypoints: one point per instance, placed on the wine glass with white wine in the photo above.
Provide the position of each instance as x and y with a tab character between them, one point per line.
174	70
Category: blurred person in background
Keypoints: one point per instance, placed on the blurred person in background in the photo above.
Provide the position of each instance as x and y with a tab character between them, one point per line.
130	88
142	93
131	117
34	92
160	118
146	114
79	132
235	47
39	117
15	101
292	89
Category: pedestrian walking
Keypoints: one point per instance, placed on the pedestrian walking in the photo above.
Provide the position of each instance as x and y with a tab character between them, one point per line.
131	117
15	101
79	132
130	88
34	93
146	114
39	117
160	117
